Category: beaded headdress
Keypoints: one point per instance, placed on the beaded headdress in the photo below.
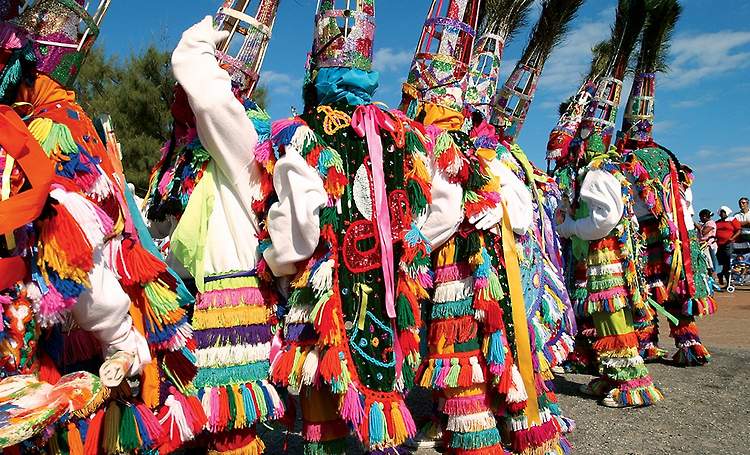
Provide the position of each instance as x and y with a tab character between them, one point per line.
441	61
62	32
602	113
567	127
344	32
243	51
638	121
484	72
513	101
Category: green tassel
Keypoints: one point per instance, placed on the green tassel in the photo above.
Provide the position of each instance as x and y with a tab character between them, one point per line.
232	407
408	375
129	439
334	447
404	315
452	378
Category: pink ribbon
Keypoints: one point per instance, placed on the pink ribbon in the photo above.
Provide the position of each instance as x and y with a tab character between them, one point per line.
367	121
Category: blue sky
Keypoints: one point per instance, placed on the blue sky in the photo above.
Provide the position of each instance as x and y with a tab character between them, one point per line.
702	105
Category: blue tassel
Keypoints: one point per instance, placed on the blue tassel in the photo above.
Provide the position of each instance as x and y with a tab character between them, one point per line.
247	400
496	354
378	431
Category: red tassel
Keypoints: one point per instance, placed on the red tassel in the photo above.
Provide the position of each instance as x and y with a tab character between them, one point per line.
93	434
465	375
330	366
138	265
282	367
47	370
180	366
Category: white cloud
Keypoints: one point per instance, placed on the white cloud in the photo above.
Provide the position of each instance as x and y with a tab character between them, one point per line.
387	59
730	161
280	83
699	56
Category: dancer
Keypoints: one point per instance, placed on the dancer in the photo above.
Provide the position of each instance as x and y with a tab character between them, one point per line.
676	271
350	185
614	282
550	317
91	259
205	189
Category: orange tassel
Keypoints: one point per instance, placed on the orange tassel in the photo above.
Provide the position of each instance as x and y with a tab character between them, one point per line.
330	365
465	375
616	342
75	444
282	368
138	265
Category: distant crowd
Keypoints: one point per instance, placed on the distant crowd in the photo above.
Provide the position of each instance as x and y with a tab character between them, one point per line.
726	240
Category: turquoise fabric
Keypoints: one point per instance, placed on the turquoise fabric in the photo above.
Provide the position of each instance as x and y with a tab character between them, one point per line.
351	85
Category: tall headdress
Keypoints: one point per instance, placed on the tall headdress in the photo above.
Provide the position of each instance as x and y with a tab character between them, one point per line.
602	113
515	97
62	32
344	32
500	20
441	61
243	51
575	108
638	120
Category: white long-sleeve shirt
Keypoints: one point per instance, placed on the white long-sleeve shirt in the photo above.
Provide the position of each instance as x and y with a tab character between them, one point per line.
516	196
230	138
602	193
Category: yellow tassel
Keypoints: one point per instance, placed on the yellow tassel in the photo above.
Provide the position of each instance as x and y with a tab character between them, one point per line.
399	427
257	447
230	317
241	419
111	440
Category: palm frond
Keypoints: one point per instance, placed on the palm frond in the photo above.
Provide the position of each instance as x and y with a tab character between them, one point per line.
657	33
602	54
550	30
505	17
629	19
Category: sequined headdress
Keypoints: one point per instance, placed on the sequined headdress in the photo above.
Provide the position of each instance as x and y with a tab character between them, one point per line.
62	32
344	32
484	71
441	62
242	53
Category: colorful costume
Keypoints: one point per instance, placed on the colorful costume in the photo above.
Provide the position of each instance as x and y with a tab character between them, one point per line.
202	193
676	271
88	256
350	184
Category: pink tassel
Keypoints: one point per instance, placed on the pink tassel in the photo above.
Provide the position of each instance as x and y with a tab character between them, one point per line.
351	409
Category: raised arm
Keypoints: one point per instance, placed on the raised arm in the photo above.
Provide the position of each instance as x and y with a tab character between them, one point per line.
603	195
223	127
294	221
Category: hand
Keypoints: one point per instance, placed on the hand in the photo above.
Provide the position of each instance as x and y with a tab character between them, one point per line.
134	344
487	219
204	30
560	216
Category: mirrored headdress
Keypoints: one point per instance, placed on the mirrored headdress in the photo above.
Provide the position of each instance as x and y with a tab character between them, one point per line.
243	51
441	62
62	32
344	32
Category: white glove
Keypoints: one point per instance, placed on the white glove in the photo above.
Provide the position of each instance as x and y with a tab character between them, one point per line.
130	341
488	218
205	31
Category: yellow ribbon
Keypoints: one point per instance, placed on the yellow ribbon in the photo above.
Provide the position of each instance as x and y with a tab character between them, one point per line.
363	291
518	308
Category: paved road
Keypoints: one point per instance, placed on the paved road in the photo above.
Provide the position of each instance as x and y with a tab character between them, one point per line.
706	411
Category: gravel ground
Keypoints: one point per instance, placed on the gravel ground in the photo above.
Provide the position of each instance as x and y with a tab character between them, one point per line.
700	415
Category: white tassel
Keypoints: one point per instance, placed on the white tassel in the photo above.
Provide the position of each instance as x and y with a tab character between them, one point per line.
322	280
471	423
177	415
310	367
517	392
477	375
298	314
232	355
102	187
454	290
620	362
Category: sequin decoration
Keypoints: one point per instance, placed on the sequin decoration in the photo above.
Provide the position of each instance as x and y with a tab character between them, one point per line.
355	259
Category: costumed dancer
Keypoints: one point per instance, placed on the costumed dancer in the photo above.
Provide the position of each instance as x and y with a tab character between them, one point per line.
89	257
676	273
203	189
615	290
548	307
565	149
351	185
473	298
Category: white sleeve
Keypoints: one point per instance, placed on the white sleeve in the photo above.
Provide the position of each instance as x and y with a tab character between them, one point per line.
223	127
687	208
603	195
445	213
517	197
294	221
104	309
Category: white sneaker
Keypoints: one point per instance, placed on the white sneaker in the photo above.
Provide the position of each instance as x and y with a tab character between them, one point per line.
610	402
558	370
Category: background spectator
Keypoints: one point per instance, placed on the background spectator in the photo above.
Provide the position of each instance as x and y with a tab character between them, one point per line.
742	244
727	231
707	237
